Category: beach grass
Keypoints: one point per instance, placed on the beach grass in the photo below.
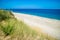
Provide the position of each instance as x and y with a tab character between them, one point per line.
12	29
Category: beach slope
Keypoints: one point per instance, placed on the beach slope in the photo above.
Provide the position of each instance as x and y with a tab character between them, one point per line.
46	25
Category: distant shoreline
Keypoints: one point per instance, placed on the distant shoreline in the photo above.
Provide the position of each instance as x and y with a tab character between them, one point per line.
37	16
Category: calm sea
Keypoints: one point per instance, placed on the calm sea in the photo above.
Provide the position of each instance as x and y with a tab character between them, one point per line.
49	13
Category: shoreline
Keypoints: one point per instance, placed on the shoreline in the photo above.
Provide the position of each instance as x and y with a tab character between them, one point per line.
50	26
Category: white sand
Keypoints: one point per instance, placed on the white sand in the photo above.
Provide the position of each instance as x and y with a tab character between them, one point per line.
50	26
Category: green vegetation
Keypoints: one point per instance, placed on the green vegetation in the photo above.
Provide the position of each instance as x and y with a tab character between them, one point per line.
5	15
12	29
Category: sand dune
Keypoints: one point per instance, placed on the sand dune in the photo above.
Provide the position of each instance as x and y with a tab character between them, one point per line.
47	25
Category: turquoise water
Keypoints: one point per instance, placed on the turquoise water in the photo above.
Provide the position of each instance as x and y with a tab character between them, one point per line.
48	13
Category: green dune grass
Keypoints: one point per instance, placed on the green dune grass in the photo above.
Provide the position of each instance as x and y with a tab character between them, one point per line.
12	29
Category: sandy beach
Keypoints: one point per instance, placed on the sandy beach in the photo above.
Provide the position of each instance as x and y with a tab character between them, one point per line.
47	25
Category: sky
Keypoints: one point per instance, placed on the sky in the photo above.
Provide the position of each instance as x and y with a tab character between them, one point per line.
30	4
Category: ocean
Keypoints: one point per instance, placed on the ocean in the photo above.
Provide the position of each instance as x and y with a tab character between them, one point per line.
48	13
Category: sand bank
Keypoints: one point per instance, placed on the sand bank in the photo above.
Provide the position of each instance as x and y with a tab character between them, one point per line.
47	25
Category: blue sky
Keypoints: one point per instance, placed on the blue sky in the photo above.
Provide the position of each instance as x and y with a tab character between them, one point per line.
30	4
